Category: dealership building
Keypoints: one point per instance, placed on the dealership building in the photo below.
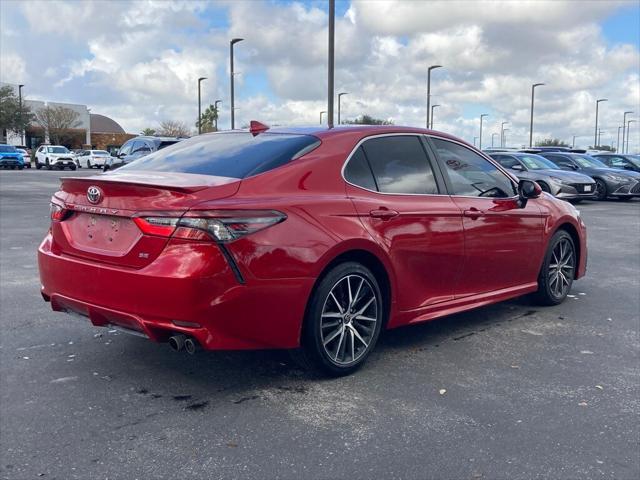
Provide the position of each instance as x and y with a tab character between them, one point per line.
93	130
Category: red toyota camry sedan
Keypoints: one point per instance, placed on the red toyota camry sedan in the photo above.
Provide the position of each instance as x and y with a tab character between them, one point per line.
309	239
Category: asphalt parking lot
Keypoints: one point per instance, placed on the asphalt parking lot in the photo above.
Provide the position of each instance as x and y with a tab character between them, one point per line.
549	392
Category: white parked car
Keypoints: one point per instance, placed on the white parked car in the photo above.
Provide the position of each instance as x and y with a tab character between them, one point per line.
92	158
26	157
54	156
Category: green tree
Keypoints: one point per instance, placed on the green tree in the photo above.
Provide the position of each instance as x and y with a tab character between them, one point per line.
11	117
551	142
149	132
368	120
209	119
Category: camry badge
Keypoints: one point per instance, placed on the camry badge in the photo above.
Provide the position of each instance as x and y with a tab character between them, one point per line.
94	194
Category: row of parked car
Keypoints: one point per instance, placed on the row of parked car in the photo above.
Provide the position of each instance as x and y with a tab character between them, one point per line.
574	175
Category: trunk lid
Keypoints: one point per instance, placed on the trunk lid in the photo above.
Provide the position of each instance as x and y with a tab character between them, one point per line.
102	229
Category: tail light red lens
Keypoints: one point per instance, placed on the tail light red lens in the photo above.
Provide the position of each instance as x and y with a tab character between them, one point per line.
218	225
58	212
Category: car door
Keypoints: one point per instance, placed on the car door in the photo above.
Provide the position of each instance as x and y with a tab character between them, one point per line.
562	162
503	243
398	196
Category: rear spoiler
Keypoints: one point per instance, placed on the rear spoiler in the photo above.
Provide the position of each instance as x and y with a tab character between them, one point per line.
181	182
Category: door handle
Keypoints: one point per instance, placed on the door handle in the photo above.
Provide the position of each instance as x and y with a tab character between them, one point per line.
473	213
383	213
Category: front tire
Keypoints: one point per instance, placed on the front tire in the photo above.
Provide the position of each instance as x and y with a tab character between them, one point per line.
558	270
89	164
47	165
544	187
601	190
343	321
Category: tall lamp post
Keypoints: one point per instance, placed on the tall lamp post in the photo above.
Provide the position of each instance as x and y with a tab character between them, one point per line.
432	67
595	137
323	111
432	107
232	73
504	137
331	61
215	106
618	141
628	123
474	141
599	136
482	118
573	143
502	133
20	106
533	89
339	97
624	123
200	106
492	137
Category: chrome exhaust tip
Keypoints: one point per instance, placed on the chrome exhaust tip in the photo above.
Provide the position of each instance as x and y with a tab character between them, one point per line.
176	342
191	345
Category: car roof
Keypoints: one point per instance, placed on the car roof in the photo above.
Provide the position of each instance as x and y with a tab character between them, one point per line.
323	132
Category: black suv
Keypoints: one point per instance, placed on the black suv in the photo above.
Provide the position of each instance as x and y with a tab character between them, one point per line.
138	147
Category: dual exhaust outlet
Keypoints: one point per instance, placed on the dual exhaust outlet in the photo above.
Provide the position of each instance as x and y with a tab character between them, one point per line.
180	342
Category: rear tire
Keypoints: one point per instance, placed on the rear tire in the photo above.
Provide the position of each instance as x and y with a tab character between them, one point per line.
89	164
47	165
343	321
601	190
558	270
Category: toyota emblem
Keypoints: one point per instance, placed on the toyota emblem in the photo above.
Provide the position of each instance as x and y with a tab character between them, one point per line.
94	194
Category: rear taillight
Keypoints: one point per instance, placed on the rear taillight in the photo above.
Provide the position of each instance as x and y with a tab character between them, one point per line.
58	212
218	225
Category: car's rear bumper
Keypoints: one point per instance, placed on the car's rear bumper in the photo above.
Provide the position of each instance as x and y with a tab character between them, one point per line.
196	294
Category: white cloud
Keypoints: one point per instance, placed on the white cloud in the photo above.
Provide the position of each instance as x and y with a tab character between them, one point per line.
138	61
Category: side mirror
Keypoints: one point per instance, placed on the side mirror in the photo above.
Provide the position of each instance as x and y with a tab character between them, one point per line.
517	167
527	189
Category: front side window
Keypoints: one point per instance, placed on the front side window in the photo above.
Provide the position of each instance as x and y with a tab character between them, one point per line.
126	148
400	165
470	174
505	161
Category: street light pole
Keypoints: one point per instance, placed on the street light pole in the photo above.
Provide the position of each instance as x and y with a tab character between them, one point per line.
492	137
624	123
481	118
215	106
599	136
432	67
232	73
533	89
339	97
628	132
595	138
618	141
332	43
502	133
20	103
432	107
505	137
474	141
573	144
323	111
200	106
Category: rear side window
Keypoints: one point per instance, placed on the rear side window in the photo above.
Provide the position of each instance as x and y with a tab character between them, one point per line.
233	154
400	165
358	171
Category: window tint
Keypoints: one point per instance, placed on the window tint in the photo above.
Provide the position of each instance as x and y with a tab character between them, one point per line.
233	154
470	174
562	162
166	143
126	148
506	162
358	171
614	161
400	165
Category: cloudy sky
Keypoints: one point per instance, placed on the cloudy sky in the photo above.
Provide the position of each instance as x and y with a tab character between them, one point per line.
138	61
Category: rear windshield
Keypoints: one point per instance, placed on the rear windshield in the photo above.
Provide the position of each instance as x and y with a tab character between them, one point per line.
100	153
233	154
